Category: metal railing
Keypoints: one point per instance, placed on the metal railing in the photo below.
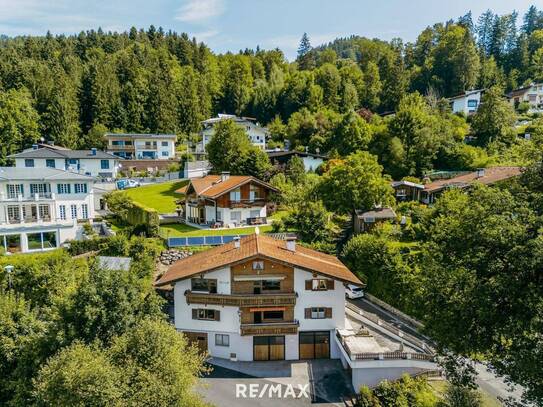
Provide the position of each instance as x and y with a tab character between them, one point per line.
240	300
391	328
396	355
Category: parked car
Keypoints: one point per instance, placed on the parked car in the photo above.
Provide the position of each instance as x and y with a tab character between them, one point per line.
353	291
127	183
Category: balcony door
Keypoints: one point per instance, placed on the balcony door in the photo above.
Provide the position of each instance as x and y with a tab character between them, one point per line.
268	348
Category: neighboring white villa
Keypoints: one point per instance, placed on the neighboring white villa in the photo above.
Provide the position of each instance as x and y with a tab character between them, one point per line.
141	146
225	200
258	298
467	102
257	135
532	94
41	209
91	162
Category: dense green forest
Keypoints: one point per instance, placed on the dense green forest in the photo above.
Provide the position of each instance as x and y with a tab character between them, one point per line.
70	89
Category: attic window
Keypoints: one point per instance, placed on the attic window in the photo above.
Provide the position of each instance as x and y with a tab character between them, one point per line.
258	265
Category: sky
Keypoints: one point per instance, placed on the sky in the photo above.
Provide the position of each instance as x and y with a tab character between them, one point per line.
231	25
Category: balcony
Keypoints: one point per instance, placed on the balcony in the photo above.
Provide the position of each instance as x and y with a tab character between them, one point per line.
120	148
42	196
241	300
270	328
247	203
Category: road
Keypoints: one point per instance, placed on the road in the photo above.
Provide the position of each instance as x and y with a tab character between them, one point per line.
486	380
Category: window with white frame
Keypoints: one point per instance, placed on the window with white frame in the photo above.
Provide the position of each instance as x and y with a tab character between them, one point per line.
85	211
73	211
222	340
39	189
64	188
318	313
44	212
235	216
14	214
80	188
14	190
62	212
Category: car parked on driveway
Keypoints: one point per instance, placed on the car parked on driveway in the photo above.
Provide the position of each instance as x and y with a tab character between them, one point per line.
127	183
353	291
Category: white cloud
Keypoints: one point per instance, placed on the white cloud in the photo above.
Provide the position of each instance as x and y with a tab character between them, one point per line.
205	35
198	11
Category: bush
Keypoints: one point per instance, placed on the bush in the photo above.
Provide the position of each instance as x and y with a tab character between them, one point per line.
133	213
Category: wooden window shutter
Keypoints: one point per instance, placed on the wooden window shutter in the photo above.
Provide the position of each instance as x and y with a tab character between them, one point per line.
308	284
217	315
328	311
194	313
307	313
330	284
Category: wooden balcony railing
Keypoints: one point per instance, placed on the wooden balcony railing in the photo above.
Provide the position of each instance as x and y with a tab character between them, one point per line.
247	203
241	300
270	328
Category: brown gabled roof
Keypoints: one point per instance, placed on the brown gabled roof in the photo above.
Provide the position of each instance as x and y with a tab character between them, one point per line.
211	186
258	246
491	176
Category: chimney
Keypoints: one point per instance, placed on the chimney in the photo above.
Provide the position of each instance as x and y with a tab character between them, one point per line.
480	172
291	243
237	242
225	175
34	146
93	151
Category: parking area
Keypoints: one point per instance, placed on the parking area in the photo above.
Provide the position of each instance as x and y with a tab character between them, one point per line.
289	383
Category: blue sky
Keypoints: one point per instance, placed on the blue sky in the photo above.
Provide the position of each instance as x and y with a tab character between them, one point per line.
237	24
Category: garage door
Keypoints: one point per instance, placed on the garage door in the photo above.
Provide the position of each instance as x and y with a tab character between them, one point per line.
268	348
314	345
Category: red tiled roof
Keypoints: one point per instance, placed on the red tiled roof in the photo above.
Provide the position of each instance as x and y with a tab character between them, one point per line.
258	246
211	186
491	176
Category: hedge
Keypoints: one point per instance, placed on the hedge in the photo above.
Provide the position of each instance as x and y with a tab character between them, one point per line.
139	215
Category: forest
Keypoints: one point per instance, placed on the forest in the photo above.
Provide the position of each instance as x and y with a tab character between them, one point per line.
71	89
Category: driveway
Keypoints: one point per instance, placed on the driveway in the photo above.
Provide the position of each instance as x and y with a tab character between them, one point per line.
285	383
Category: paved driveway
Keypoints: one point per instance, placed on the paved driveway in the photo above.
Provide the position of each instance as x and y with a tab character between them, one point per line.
324	382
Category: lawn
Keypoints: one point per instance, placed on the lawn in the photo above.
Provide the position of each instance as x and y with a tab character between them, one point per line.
182	230
161	196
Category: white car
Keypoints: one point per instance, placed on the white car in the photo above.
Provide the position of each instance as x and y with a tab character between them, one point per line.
353	291
131	183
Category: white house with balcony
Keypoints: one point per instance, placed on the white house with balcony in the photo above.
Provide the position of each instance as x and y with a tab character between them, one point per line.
532	94
133	146
226	200
259	298
93	162
40	210
256	134
467	102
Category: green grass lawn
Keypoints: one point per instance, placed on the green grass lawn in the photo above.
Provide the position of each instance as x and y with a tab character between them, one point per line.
161	197
182	230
